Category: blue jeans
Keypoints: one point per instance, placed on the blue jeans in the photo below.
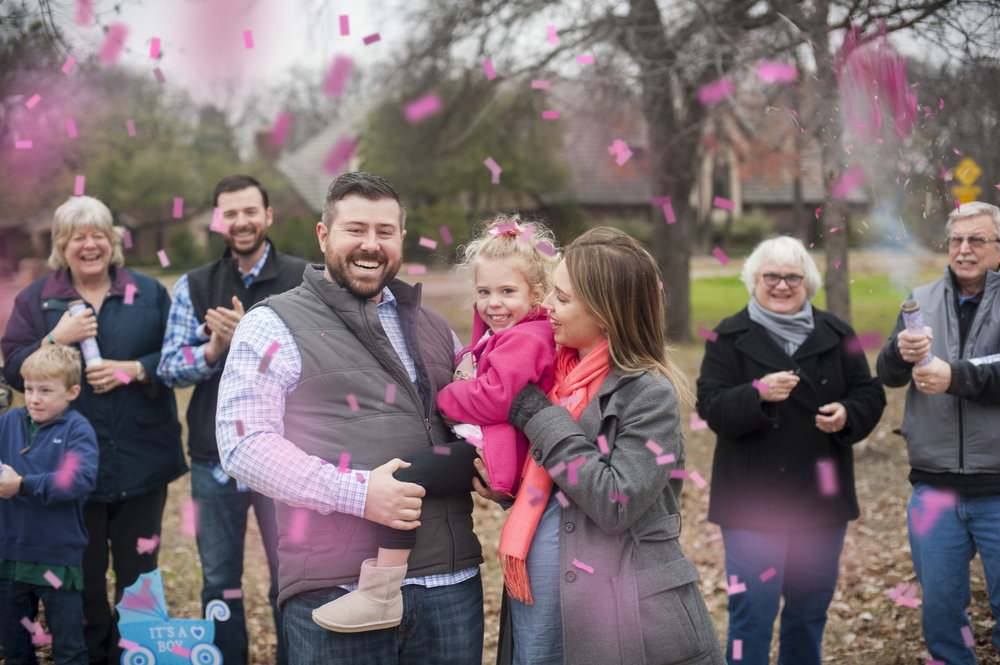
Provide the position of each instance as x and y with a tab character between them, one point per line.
805	561
441	625
63	614
941	559
537	627
222	525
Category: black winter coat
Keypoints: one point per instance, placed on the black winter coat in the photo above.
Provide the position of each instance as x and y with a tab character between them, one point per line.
765	472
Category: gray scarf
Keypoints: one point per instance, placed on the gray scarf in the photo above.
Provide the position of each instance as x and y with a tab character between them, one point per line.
788	330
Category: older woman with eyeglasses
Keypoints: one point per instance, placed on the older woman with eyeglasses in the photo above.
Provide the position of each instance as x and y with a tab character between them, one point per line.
787	389
133	413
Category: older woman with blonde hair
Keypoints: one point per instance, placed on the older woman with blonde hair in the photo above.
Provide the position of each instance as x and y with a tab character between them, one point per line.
132	412
787	389
593	565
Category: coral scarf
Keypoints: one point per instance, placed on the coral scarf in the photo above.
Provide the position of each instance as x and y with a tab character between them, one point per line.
576	383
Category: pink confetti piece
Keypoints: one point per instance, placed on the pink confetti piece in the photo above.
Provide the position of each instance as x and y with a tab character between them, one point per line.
540	84
571	468
178	650
442	450
698	480
390	393
561	498
189	517
546	248
422	107
188	354
768	574
847	183
154	48
737	649
556	469
416	270
582	566
654	447
273	349
720	255
725	204
697	423
67	471
31	626
602	444
128	645
130	127
967	636
715	91
248	38
428	243
239	428
668	212
494	169
158	75
585	59
776	72
232	593
79	185
735	586
162	256
33	101
361	477
345	459
84	12
537	495
217	225
52	579
147	545
371	39
336	78
446	235
340	155
907	601
869	340
352	401
834	229
127	239
826	474
41	638
661	200
71	128
553	36
705	333
679	473
178	208
345	25
280	128
836	265
123	377
68	65
935	662
620	498
550	115
488	68
760	385
114	41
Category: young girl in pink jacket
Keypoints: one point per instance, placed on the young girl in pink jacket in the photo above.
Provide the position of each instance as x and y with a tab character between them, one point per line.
511	264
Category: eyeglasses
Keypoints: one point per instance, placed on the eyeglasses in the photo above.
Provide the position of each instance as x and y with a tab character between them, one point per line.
975	242
773	279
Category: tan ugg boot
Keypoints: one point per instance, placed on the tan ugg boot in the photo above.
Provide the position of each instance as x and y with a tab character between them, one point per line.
377	603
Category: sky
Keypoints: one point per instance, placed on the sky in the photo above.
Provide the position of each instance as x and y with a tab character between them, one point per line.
204	47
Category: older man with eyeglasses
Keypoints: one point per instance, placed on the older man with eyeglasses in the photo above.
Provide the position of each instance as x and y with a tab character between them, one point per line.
951	426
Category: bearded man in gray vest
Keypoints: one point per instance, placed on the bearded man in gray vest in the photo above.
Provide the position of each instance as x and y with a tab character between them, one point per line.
207	306
326	388
951	424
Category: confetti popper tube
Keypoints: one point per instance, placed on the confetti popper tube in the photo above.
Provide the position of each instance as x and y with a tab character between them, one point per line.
88	346
914	322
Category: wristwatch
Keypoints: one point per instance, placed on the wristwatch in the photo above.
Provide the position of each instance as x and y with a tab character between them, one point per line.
140	376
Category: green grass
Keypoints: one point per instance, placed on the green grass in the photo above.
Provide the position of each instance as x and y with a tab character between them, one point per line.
874	302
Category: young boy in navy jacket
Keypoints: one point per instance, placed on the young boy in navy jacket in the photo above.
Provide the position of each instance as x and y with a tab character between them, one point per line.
49	457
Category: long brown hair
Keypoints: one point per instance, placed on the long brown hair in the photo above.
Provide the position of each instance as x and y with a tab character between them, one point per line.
618	282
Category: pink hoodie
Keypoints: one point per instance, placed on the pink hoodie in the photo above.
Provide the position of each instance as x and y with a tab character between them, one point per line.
507	362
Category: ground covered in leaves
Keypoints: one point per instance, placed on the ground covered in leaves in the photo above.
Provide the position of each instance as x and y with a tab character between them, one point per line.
865	624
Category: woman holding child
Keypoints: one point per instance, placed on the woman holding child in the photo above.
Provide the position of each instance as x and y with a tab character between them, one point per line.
131	411
596	520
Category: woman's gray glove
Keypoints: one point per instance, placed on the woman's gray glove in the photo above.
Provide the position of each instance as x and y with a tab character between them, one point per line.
526	404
